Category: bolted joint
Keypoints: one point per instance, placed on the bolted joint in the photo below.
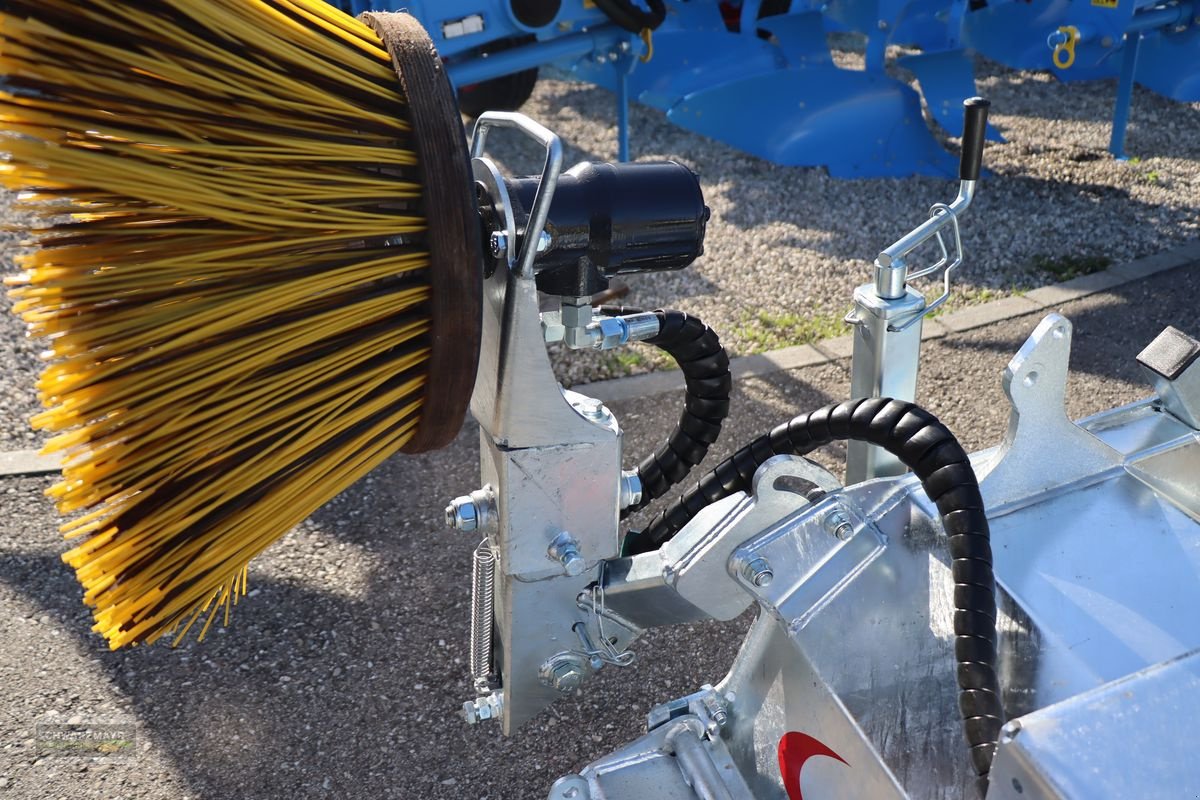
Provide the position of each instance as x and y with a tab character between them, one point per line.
591	409
755	569
481	709
631	488
565	550
563	672
474	511
717	713
837	523
498	244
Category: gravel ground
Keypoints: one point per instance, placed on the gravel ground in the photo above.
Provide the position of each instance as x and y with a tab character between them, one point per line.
18	353
340	677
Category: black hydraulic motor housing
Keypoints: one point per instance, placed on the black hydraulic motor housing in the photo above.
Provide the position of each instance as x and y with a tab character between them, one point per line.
614	219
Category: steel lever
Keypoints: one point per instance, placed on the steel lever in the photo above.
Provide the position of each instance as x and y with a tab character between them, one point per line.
892	275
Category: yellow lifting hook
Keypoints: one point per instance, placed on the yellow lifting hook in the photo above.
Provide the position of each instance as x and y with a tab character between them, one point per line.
1064	51
647	36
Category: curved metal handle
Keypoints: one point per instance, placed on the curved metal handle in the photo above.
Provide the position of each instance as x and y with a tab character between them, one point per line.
891	270
549	181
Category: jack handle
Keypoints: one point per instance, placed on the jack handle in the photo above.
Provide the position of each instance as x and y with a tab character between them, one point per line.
891	265
975	114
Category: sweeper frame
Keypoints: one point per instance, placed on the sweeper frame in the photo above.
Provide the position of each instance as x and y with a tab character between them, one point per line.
879	637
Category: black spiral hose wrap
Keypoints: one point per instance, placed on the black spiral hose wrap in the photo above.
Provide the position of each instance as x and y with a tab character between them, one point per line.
930	450
697	350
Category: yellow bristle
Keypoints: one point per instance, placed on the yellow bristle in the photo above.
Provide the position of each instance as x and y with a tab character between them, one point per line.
235	311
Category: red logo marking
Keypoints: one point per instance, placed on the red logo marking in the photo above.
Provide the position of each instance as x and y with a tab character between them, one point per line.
795	749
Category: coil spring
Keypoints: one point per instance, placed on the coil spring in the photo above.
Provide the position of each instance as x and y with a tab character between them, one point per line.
483	604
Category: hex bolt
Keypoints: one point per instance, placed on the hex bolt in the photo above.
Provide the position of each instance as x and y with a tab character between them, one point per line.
472	511
498	244
563	672
630	488
481	709
758	571
716	711
837	523
592	409
462	514
565	550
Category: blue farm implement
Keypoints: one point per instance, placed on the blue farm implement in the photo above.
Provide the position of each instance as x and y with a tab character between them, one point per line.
759	74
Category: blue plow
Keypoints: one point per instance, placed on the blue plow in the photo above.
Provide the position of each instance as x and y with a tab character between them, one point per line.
759	75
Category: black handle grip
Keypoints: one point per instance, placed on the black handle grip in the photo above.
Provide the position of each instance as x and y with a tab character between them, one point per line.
975	114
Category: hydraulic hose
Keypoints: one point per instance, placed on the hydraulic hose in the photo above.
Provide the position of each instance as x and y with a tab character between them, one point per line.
627	14
697	350
930	450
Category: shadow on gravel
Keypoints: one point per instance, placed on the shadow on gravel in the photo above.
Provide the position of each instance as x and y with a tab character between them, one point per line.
1108	334
319	690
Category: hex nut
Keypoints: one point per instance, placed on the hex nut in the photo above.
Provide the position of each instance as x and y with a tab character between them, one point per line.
462	514
562	673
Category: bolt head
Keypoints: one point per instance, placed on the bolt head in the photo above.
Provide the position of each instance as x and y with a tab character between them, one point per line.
574	565
569	681
758	571
563	674
837	523
592	409
483	708
498	243
763	579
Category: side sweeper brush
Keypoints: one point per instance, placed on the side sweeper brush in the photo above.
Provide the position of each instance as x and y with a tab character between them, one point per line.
257	273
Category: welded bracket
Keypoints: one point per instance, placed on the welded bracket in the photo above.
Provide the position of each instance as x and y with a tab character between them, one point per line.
706	571
1042	448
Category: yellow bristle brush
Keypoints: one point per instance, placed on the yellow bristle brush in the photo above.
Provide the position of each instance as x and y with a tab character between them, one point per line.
256	270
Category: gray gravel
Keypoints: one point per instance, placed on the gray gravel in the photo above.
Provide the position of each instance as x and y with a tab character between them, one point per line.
340	677
18	353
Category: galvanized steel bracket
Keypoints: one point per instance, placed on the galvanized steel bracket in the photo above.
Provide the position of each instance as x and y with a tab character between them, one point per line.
1042	448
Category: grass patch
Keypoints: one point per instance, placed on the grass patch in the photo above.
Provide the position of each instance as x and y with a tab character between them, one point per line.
764	330
1064	268
636	358
960	298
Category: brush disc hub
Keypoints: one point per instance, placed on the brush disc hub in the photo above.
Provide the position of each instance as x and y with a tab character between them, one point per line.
452	237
